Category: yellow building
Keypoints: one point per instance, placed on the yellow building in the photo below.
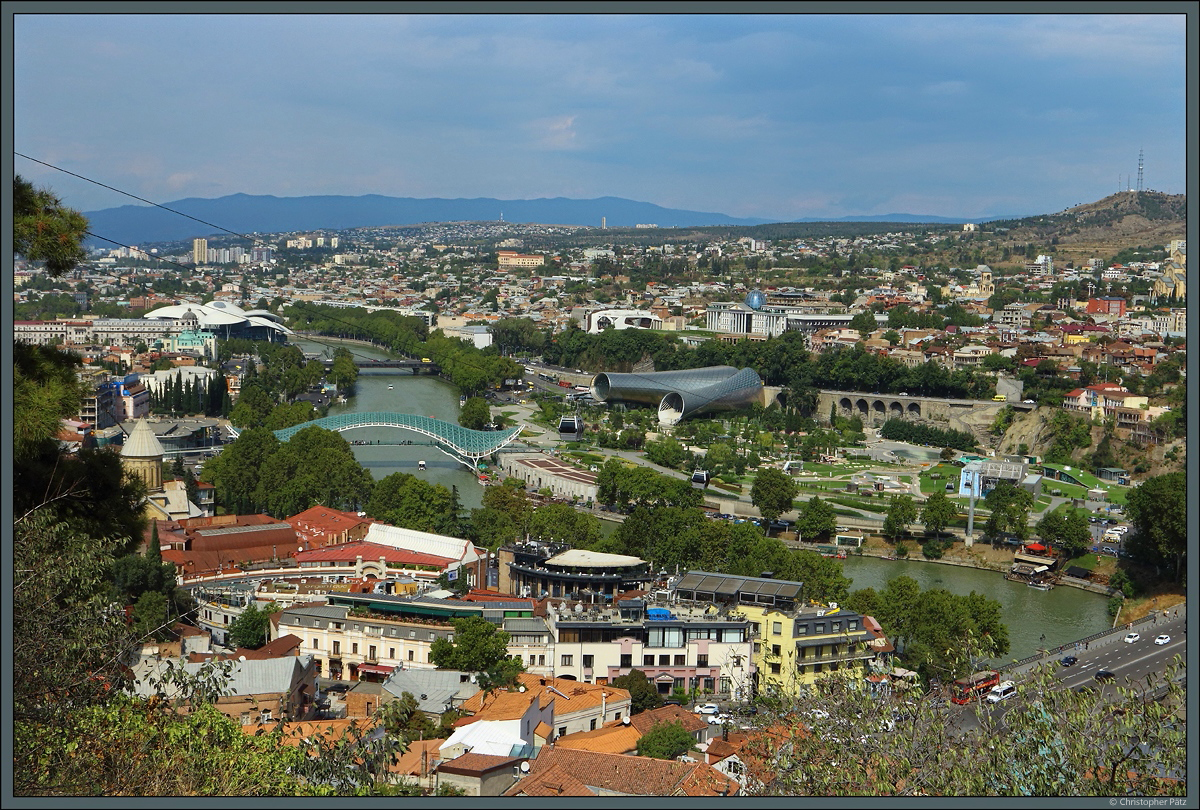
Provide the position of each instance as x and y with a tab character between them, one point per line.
797	647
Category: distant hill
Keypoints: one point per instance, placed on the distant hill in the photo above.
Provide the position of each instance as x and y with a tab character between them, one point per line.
245	213
1122	220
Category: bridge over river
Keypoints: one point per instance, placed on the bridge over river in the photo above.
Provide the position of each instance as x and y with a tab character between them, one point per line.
464	444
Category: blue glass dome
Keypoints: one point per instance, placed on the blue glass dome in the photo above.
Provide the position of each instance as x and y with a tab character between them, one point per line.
756	299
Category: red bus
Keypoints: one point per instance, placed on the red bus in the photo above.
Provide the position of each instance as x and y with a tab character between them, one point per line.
564	383
974	686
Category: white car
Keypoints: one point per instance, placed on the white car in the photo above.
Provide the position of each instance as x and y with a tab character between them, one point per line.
708	708
717	719
1029	402
1132	637
1002	692
1163	639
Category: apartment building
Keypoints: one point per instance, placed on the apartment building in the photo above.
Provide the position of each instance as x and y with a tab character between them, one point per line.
678	647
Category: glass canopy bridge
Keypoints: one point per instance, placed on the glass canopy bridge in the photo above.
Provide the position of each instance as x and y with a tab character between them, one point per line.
456	441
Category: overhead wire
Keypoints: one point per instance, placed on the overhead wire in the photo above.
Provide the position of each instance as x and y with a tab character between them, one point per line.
255	240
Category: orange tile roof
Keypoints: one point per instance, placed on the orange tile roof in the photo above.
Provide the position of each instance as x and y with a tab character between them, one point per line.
581	695
623	774
553	781
646	720
420	758
612	739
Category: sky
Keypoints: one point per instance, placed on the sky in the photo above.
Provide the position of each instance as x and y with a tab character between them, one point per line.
773	116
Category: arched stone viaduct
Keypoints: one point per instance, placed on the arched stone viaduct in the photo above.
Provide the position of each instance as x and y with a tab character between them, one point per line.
972	415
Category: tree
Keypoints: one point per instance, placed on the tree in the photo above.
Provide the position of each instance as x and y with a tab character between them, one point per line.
1009	505
250	629
475	413
1158	510
864	322
937	512
773	492
477	646
641	691
816	520
560	523
666	741
901	512
403	717
44	230
405	500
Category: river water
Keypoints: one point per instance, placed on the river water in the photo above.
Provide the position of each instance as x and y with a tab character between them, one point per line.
1061	615
400	391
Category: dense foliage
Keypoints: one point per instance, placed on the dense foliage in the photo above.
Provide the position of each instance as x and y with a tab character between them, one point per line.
901	430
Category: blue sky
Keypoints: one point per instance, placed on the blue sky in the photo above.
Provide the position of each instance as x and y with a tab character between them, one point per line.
774	116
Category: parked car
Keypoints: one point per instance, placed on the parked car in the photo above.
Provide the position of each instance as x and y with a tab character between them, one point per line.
1029	402
717	719
708	708
1132	637
1068	661
1163	639
1110	551
1104	675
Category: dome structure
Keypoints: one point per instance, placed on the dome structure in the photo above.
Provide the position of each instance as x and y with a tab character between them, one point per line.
143	454
756	299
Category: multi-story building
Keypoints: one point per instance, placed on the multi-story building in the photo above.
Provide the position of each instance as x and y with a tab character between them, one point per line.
537	571
510	258
200	251
679	646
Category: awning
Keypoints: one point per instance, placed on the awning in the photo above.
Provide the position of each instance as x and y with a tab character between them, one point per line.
375	669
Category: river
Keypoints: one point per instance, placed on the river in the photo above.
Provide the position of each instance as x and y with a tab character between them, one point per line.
399	391
1061	615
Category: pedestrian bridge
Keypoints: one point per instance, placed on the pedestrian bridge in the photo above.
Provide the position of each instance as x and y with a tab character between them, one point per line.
454	440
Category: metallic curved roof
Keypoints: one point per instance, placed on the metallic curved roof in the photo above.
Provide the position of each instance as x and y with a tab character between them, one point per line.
682	393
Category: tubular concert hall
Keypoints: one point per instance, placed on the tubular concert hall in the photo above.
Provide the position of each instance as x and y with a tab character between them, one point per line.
682	393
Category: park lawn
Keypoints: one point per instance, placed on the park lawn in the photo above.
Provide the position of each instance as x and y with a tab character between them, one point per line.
860	503
1088	561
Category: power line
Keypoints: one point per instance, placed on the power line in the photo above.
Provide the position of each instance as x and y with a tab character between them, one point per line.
136	197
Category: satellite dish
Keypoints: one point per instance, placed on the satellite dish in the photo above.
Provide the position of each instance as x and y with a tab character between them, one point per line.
525	767
625	720
521	688
241	658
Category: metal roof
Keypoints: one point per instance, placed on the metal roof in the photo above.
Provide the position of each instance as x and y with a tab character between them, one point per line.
730	585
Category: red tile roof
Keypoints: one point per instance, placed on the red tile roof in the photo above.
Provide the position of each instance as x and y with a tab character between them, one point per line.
349	552
621	774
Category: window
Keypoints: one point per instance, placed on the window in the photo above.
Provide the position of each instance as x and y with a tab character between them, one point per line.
836	626
337	625
618	716
627	660
588	660
819	629
562	731
337	648
647	660
852	625
681	660
391	652
702	660
316	645
568	660
592	727
410	655
664	660
541	660
777	628
774	669
412	633
802	629
817	667
774	649
371	652
532	658
354	648
709	684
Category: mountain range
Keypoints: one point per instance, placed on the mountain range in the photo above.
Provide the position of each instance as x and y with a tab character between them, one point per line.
246	213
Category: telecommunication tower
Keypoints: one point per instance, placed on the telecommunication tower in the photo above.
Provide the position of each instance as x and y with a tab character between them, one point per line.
1139	186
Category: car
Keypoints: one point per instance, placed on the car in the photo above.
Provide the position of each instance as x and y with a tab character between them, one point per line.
1132	637
1112	552
717	719
1104	675
1029	402
1068	661
1163	639
1001	692
708	708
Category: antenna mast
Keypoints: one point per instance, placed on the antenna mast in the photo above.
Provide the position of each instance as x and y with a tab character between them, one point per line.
1139	186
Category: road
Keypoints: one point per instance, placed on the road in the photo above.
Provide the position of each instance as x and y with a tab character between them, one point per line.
1131	663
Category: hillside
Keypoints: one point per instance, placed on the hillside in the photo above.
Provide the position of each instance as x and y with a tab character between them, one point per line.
1128	219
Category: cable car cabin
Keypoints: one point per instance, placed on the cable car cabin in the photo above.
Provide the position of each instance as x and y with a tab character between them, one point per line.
570	429
700	479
